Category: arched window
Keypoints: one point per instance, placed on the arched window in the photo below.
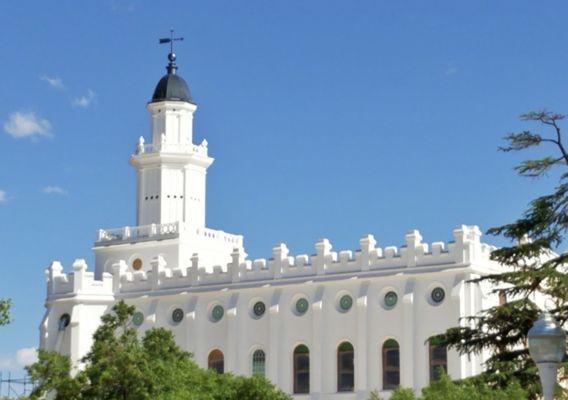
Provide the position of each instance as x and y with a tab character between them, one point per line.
216	361
391	364
438	361
301	369
345	367
259	363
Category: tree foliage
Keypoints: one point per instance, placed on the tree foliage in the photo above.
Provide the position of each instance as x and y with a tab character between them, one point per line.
120	366
530	266
445	389
5	311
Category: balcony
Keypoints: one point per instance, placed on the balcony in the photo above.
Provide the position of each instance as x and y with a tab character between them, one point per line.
184	148
131	234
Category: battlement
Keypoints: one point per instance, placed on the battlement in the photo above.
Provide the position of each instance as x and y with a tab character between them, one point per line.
77	282
414	254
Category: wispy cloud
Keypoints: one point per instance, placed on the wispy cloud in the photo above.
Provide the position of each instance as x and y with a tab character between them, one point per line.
23	124
85	100
58	190
22	358
122	6
3	196
54	82
451	69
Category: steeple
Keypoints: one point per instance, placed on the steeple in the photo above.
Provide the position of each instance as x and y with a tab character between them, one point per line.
172	169
171	86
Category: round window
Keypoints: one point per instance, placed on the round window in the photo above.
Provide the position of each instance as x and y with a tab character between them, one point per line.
217	313
259	309
345	302
391	299
137	264
138	318
64	322
438	295
302	306
177	315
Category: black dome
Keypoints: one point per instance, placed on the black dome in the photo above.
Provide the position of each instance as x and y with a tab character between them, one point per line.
171	87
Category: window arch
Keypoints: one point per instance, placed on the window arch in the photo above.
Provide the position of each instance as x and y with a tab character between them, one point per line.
259	363
391	364
345	367
301	369
438	361
216	361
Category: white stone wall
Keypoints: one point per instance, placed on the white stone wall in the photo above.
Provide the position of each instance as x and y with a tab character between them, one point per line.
412	271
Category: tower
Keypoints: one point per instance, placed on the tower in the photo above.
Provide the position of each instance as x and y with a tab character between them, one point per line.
171	170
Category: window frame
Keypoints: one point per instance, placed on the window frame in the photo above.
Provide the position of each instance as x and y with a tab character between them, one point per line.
435	364
213	363
258	362
386	348
342	371
301	351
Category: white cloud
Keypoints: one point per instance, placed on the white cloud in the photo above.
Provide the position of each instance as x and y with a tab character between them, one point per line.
84	101
54	190
26	356
3	196
22	358
451	69
54	82
22	124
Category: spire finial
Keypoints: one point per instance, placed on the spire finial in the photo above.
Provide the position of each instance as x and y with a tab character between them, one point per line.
171	68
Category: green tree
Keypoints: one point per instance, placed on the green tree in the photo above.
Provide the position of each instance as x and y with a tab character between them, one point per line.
121	366
530	266
5	311
445	389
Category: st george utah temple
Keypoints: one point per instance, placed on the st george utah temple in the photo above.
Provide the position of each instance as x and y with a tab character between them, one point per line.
331	325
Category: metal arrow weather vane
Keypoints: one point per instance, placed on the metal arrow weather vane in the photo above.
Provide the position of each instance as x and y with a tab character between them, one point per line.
171	40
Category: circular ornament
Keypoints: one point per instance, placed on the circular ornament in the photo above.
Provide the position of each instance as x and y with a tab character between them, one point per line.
302	306
438	295
137	318
64	321
345	302
177	315
137	264
217	313
391	298
259	309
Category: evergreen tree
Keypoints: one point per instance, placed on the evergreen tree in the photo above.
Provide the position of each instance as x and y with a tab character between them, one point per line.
5	311
530	266
120	366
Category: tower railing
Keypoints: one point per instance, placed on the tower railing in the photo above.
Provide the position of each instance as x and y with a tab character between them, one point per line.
187	148
135	233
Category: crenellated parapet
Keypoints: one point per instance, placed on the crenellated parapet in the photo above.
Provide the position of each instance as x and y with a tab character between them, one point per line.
78	282
465	249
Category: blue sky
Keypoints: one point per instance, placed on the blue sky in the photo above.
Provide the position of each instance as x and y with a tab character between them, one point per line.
326	118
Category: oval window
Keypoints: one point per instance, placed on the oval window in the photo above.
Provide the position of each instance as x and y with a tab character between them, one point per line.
137	318
137	264
345	302
64	322
438	295
391	298
302	306
217	313
259	309
177	315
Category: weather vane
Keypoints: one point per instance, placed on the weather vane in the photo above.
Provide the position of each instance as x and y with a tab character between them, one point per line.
171	40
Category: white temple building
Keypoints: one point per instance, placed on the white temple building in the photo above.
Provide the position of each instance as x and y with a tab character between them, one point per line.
331	325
